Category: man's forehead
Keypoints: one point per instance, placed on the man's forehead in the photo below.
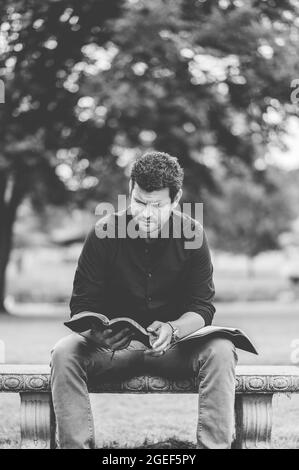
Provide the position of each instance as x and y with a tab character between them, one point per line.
159	195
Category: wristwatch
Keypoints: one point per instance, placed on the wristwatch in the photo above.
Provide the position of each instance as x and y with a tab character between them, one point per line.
175	333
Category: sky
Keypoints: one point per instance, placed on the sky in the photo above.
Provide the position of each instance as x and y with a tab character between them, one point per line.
288	160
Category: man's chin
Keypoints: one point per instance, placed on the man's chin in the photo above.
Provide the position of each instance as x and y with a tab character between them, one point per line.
149	233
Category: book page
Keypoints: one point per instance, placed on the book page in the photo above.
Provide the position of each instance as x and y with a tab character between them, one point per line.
210	329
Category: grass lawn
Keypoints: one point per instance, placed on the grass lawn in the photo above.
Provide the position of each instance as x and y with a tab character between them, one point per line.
119	418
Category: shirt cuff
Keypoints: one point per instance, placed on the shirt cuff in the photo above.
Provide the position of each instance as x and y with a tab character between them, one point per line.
205	312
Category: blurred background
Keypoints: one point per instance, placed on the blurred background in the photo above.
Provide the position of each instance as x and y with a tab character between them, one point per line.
87	87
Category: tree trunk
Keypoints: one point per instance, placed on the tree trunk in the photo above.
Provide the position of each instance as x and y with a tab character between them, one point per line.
11	194
5	250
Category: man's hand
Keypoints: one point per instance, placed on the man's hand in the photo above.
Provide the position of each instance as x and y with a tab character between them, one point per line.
107	339
160	338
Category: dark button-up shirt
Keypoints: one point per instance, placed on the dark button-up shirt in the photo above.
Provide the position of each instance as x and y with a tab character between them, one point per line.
159	280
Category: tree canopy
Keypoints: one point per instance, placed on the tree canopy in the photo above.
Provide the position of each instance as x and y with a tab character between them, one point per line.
208	81
90	85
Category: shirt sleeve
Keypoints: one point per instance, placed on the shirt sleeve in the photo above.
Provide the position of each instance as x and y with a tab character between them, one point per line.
200	289
89	280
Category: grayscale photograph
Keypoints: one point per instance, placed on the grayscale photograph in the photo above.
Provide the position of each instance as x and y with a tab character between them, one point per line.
149	227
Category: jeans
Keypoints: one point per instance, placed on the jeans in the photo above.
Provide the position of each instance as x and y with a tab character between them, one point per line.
76	362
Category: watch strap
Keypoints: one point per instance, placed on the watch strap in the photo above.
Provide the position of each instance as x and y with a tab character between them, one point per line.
175	331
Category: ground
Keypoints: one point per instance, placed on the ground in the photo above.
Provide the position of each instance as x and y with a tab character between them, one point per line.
119	418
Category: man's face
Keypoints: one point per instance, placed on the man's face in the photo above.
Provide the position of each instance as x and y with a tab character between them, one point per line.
151	209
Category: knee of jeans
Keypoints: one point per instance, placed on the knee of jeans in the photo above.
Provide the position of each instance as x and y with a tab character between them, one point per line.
222	349
66	349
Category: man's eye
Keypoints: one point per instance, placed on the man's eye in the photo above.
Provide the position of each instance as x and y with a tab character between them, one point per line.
155	206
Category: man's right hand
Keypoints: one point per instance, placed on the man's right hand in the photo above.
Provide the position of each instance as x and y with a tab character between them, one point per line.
107	339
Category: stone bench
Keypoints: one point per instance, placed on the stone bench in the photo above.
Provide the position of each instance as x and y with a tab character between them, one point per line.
255	386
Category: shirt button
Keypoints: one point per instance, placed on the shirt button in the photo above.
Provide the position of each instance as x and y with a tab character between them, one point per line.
149	299
149	274
146	250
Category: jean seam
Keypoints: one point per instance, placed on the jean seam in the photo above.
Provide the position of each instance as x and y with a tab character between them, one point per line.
89	363
90	423
201	403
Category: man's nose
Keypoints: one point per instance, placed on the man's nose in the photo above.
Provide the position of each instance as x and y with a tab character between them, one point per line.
148	211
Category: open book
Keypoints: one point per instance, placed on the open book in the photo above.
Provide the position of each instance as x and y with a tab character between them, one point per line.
83	322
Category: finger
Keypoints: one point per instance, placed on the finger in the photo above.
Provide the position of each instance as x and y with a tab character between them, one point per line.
153	330
162	348
120	334
153	337
151	352
159	342
96	326
116	338
154	326
116	335
122	343
107	333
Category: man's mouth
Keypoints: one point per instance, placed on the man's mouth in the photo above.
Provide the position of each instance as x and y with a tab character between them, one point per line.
147	222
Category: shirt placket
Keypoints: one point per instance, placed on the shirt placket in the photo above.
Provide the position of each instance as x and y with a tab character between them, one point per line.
148	273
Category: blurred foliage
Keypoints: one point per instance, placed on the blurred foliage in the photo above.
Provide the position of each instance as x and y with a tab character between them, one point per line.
41	43
208	81
249	218
89	85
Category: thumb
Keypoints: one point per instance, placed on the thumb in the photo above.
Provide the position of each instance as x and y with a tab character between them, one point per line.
154	326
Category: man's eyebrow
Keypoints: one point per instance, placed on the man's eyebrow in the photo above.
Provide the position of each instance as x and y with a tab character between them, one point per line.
138	200
143	202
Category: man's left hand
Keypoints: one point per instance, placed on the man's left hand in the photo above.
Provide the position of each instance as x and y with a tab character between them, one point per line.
160	338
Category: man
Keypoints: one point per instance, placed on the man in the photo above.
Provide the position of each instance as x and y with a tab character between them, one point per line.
164	285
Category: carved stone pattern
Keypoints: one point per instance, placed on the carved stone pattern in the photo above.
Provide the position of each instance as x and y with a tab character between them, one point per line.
37	421
253	421
24	382
267	384
149	384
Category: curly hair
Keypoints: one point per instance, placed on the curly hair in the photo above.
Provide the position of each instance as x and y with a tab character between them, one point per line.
157	170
